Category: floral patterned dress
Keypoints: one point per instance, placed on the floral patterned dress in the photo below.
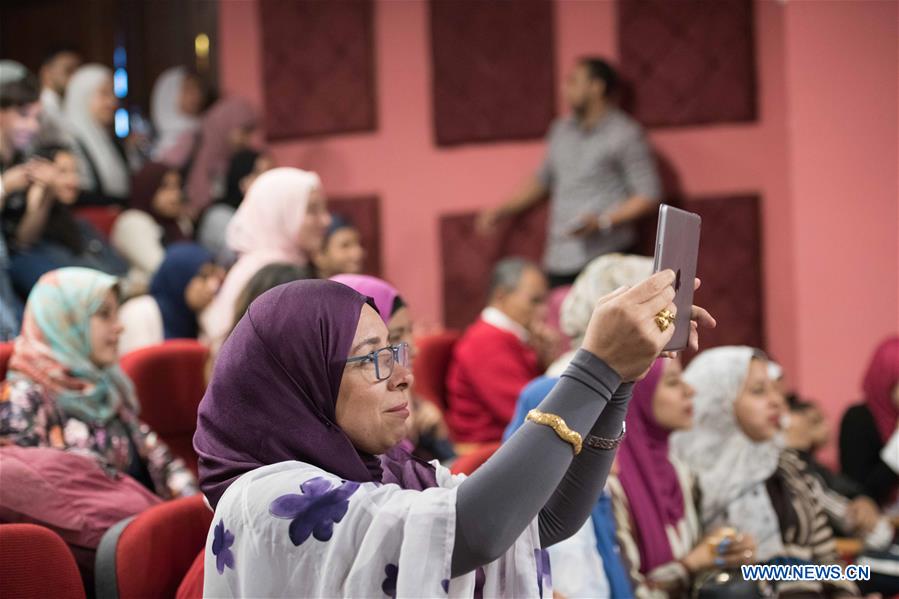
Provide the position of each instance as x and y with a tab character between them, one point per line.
294	530
29	417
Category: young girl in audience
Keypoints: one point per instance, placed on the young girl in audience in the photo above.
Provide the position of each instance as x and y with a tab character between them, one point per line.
89	111
282	219
183	286
158	217
65	389
310	371
245	167
745	479
428	436
869	434
341	251
42	231
226	129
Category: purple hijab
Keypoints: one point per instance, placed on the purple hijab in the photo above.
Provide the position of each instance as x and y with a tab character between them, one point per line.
379	290
274	389
647	475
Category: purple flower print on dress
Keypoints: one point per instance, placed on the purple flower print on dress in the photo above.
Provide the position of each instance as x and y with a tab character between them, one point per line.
222	540
315	511
544	573
389	585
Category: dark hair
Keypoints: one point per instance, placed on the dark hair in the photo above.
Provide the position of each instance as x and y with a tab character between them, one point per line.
51	150
267	278
338	222
601	70
19	92
507	273
57	49
398	304
210	93
797	404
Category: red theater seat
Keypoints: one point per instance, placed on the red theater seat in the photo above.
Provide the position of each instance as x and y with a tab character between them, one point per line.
148	555
469	462
102	218
431	364
5	355
36	563
192	585
170	382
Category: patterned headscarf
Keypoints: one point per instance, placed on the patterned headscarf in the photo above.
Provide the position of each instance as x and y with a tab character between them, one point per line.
54	348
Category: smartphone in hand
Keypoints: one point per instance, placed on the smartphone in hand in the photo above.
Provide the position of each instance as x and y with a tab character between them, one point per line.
677	248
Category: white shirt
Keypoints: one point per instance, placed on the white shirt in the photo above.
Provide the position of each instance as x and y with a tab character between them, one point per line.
142	321
499	319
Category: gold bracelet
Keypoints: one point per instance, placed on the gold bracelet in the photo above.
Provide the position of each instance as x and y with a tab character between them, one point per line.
557	424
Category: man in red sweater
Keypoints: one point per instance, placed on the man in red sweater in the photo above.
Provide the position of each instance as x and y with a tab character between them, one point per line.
499	354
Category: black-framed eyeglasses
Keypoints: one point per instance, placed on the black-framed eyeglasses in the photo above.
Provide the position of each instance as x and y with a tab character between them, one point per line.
385	359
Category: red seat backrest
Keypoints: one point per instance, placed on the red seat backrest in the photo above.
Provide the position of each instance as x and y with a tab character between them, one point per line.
5	355
469	462
170	382
431	364
102	218
158	547
192	584
36	563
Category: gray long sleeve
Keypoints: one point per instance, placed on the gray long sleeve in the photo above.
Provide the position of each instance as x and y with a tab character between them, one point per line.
522	479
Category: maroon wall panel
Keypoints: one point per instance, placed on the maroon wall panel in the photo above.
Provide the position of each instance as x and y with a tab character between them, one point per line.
318	67
729	264
688	62
365	214
468	259
493	69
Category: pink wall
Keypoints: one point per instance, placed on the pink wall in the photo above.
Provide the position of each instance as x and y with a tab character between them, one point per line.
842	100
418	182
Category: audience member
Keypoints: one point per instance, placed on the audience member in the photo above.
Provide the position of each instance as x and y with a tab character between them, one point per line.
65	389
599	174
602	276
850	512
662	539
341	251
745	480
176	106
226	129
41	230
427	435
184	285
245	167
282	219
498	355
59	63
158	217
869	433
89	110
350	403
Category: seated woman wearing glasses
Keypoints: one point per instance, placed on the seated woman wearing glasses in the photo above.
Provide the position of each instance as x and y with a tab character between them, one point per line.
297	440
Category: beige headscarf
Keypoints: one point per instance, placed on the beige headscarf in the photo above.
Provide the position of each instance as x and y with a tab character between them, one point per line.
601	277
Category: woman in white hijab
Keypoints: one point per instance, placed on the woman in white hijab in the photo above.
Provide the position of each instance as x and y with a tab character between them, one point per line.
745	478
175	109
89	112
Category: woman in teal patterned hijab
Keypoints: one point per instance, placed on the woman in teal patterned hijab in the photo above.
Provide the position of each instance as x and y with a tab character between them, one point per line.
66	390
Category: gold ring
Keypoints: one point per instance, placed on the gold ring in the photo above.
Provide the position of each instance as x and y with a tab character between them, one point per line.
664	319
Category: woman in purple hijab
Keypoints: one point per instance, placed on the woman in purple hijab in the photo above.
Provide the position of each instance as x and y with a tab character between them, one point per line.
297	440
657	522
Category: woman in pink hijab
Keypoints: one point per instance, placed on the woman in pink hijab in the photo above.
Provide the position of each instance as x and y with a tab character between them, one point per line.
282	219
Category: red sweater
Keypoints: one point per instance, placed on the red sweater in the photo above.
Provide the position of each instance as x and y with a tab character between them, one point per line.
489	369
